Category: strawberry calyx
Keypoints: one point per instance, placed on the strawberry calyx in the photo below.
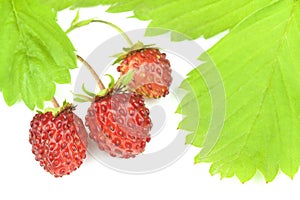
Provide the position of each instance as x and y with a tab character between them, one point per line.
117	87
57	110
109	87
113	87
135	47
138	46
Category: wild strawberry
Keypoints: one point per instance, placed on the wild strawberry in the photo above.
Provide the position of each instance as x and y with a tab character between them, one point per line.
152	72
120	124
59	141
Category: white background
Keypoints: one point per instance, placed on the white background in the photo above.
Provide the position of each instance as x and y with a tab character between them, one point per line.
22	177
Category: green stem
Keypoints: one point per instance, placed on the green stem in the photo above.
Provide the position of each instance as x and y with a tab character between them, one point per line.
124	35
92	71
70	29
55	103
76	25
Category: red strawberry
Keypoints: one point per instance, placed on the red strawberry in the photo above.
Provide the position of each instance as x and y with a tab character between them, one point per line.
152	72
58	141
119	124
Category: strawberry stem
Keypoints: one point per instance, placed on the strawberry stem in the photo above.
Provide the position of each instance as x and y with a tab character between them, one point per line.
92	71
77	24
124	35
55	103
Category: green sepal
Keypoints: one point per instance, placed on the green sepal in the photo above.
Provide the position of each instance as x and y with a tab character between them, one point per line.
112	81
80	100
39	111
65	103
125	79
110	87
91	94
103	92
122	83
54	111
120	57
136	47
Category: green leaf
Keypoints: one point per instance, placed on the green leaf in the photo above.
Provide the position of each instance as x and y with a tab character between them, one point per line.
196	106
63	4
34	55
190	17
58	5
259	63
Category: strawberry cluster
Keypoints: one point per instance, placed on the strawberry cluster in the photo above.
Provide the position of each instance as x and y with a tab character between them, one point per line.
118	120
